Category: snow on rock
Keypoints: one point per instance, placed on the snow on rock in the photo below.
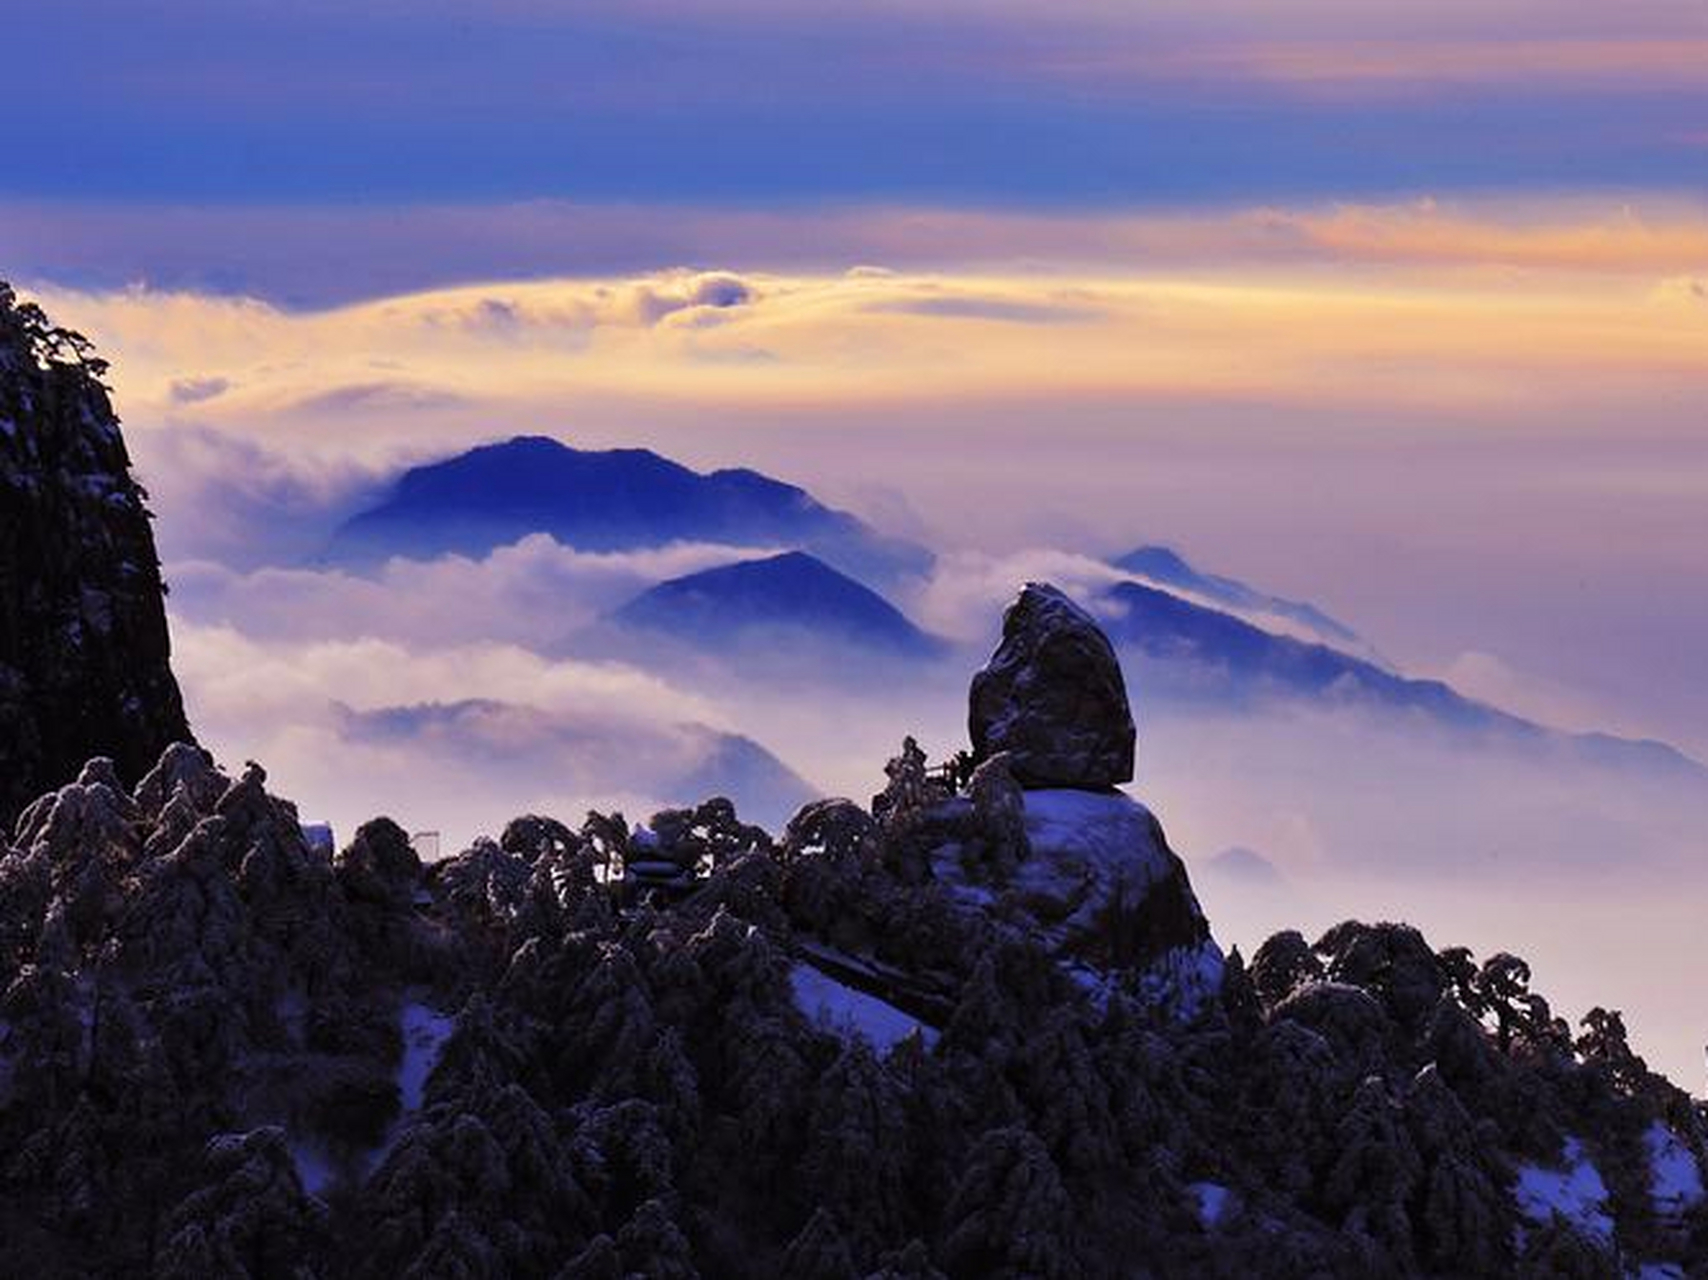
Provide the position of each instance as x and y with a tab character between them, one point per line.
1101	887
1575	1193
1087	825
848	1012
1185	979
1676	1185
1101	877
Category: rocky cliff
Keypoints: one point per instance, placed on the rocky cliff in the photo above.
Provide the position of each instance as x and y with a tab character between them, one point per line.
84	665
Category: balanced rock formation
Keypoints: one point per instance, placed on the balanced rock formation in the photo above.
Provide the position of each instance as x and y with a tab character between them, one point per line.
1088	869
83	644
1052	697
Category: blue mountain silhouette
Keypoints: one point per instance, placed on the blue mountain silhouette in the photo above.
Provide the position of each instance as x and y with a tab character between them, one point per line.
1224	658
604	500
1168	568
792	591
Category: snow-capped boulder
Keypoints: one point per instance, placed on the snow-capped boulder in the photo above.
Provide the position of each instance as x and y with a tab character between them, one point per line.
1099	884
1101	877
1053	698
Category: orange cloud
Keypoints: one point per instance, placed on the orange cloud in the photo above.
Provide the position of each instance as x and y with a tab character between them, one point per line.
1623	243
1501	60
1487	313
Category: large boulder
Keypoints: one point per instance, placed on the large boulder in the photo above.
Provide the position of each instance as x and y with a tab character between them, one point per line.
84	668
1097	883
1052	697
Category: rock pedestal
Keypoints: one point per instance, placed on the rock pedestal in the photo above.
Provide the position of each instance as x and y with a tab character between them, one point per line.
1052	697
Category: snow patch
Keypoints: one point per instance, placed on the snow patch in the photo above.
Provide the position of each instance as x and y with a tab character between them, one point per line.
849	1012
1676	1177
1574	1192
424	1034
315	1168
1214	1202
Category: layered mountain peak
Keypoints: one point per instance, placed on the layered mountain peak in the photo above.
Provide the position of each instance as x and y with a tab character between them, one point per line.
604	500
1166	567
84	650
767	599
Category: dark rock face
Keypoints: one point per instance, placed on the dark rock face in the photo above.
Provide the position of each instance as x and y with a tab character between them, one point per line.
84	650
1053	698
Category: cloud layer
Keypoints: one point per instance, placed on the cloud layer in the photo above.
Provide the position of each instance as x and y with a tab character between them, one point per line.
1463	427
460	737
320	255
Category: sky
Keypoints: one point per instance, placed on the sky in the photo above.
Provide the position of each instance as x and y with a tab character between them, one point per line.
1400	308
1073	104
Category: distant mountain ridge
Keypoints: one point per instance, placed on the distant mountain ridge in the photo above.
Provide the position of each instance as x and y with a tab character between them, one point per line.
1168	568
604	500
792	591
1226	640
1239	660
